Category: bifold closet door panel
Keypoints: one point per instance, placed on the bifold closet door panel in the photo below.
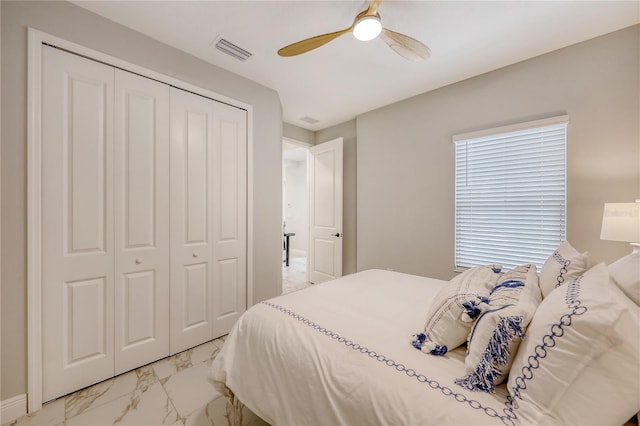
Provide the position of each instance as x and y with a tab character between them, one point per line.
141	180
229	217
77	222
208	218
192	197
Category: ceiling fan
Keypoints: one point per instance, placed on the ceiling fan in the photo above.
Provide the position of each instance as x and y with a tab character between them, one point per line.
366	26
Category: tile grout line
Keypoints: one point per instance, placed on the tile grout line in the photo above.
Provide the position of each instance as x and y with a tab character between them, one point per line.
180	418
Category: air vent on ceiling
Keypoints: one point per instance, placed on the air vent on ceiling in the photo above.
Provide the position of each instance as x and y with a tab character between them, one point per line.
309	120
233	50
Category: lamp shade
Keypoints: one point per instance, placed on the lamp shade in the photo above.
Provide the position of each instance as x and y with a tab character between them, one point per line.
621	222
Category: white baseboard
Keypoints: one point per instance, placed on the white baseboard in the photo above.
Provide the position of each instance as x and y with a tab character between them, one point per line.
296	252
13	408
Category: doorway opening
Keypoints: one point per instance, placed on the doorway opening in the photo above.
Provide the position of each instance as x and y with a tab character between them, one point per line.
295	216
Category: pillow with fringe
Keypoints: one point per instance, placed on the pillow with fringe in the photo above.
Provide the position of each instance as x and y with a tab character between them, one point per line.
448	320
497	332
565	264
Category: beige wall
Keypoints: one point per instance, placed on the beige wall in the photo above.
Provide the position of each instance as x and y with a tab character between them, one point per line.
347	131
80	26
296	133
405	165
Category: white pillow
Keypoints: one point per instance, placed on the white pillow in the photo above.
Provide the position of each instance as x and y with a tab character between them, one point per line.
626	274
565	264
496	335
579	363
445	328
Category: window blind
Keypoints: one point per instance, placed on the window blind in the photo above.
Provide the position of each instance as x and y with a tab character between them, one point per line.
510	194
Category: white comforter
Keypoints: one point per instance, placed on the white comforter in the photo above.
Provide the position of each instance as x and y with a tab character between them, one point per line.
339	353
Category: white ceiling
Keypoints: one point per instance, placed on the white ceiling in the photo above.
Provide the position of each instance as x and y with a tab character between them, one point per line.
346	77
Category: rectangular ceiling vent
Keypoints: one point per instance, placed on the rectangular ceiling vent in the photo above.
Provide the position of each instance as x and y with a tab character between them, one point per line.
233	50
309	120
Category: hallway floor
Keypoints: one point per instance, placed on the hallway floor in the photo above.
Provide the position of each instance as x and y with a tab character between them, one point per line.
294	276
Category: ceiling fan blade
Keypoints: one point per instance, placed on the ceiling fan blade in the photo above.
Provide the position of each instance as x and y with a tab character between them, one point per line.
311	43
373	7
405	46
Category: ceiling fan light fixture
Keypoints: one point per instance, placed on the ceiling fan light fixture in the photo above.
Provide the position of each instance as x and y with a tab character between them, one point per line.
367	28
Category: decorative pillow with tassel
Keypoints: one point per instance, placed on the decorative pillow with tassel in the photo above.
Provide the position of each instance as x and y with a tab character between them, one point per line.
454	308
496	334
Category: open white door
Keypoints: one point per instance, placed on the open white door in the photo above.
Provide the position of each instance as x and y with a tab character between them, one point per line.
325	211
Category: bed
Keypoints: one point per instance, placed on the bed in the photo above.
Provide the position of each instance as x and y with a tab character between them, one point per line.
339	353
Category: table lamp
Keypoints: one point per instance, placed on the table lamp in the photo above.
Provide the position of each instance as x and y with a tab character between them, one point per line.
621	222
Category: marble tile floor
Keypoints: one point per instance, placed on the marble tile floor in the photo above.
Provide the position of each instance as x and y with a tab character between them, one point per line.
294	276
174	391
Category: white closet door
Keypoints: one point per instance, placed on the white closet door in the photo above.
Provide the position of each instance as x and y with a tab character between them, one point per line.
77	222
192	197
141	179
229	217
208	218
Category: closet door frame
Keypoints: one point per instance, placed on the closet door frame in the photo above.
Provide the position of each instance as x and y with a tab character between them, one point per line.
36	39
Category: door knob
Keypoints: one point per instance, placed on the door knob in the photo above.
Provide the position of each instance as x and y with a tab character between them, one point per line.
337	234
195	254
138	261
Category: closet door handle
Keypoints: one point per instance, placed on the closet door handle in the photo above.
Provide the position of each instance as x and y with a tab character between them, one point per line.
337	234
138	261
195	254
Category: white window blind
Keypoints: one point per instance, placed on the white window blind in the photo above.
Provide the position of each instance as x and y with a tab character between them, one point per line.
510	200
